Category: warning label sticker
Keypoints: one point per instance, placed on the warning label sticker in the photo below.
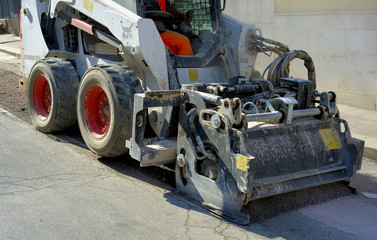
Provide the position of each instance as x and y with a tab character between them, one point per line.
330	138
193	74
242	162
88	5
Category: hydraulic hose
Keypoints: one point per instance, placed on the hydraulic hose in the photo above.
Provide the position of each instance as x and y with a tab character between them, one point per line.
269	84
279	68
190	121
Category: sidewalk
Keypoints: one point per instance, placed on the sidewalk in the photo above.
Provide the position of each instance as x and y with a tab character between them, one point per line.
363	123
10	44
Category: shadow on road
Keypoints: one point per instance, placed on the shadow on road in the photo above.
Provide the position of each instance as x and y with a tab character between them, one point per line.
164	177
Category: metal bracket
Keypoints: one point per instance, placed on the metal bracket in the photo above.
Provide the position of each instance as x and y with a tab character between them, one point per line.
232	109
161	151
328	99
287	103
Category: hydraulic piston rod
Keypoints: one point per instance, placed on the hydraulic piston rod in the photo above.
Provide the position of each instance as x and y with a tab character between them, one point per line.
262	117
306	113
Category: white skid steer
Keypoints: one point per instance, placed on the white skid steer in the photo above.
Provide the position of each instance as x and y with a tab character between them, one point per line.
233	134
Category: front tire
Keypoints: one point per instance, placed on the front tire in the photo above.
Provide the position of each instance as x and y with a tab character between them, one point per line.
52	89
105	108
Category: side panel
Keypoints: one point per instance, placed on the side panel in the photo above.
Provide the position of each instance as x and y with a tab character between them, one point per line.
211	74
33	43
152	49
237	34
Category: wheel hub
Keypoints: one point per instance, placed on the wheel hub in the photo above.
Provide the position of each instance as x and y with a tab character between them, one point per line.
42	97
97	111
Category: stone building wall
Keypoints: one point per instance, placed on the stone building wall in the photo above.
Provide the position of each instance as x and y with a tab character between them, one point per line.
340	35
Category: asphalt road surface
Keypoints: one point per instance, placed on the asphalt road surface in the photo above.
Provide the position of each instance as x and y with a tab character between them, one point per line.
53	187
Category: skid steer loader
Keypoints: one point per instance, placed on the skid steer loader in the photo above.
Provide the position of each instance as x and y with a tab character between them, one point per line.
233	134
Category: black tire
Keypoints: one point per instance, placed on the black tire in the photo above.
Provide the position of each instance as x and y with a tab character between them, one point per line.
105	108
51	94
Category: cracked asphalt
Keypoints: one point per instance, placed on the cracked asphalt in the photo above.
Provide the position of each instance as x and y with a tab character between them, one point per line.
52	187
55	190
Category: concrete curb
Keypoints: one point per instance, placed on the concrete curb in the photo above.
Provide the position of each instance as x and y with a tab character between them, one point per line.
370	153
8	51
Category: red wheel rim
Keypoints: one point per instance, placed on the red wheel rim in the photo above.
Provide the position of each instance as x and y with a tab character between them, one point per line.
97	111
42	97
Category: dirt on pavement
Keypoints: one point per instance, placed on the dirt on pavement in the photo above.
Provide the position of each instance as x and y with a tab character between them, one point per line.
12	98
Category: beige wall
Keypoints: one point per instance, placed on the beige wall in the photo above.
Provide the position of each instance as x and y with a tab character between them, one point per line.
305	6
340	35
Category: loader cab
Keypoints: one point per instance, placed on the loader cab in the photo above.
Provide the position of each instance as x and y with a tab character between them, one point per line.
206	38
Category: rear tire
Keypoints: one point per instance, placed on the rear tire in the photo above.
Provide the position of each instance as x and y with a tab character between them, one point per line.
52	90
105	108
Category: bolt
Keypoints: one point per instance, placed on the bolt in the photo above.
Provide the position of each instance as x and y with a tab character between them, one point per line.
107	111
183	94
181	160
100	102
223	51
215	121
223	88
100	111
102	119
